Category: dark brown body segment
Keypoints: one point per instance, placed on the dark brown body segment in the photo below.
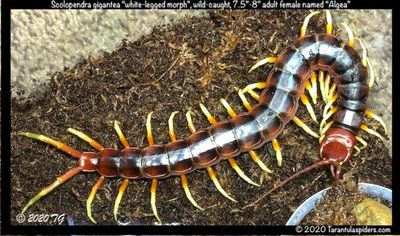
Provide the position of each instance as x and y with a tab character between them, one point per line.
278	105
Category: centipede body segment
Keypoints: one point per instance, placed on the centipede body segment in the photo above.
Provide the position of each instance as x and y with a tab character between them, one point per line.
283	88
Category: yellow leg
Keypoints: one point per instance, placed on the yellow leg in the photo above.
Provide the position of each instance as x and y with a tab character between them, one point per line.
331	91
262	62
330	103
371	131
277	149
258	85
326	86
350	35
364	53
121	136
86	138
322	85
59	145
323	131
305	23
309	108
311	86
358	151
371	114
121	191
188	194
213	177
210	170
232	161
150	138
362	141
244	100
153	199
60	180
301	124
329	25
183	177
91	197
326	117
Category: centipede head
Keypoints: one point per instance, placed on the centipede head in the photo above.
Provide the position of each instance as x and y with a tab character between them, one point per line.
337	147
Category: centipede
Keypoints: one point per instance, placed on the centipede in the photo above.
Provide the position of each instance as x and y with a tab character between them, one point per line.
344	77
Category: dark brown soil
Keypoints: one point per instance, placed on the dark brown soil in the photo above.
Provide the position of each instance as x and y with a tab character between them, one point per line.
173	69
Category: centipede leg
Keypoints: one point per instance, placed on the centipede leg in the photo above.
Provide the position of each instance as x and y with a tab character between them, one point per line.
305	23
249	89
323	131
153	189
183	177
321	82
329	25
232	161
59	145
372	115
302	125
330	103
350	34
311	86
125	182
262	62
326	87
362	141
86	138
210	170
326	117
370	131
60	180
89	201
309	108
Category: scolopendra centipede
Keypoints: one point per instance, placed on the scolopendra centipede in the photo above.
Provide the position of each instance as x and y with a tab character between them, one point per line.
278	104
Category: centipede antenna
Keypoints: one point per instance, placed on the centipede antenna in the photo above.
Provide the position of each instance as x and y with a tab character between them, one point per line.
153	199
86	138
326	117
121	136
372	115
329	25
244	100
362	141
188	194
89	201
262	62
213	177
371	131
350	34
302	125
60	180
330	103
232	162
305	170
303	28
322	85
183	177
121	191
59	145
309	108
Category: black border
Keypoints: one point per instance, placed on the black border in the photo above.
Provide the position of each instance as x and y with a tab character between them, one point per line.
7	228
